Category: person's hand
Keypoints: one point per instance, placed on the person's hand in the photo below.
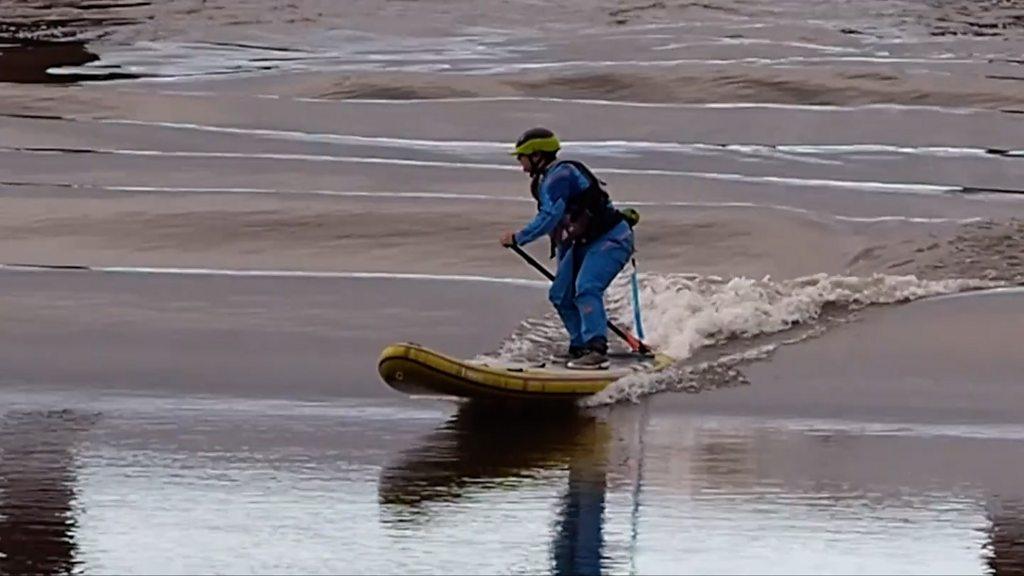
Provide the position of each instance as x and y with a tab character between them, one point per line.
508	239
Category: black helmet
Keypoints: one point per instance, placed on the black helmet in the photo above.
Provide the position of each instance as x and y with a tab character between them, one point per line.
537	140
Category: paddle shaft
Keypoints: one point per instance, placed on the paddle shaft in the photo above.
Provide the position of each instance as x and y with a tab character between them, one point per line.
633	342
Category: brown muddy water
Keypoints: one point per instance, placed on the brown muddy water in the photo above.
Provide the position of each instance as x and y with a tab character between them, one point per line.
214	214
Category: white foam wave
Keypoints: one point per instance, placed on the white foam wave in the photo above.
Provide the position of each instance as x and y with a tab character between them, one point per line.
887	107
601	147
493	69
753	41
864	185
683	314
454	196
273	273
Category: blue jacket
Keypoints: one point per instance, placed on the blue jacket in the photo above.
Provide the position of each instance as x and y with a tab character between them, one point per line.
559	185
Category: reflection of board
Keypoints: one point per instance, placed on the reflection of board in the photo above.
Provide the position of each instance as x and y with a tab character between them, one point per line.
416	370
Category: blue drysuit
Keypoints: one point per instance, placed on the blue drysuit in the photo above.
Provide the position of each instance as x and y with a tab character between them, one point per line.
584	271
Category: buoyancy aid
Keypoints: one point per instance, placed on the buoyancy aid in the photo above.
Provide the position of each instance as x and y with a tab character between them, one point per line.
588	215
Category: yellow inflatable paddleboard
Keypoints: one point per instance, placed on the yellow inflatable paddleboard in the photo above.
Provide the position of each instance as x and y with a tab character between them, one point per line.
419	371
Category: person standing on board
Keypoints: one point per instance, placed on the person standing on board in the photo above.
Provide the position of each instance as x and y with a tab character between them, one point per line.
591	238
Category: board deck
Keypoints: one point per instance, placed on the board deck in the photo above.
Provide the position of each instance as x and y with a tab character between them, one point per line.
416	370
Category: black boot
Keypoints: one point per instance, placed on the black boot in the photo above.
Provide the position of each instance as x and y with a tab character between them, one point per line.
596	357
573	352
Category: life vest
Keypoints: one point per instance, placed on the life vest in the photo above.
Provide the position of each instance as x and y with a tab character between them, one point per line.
588	215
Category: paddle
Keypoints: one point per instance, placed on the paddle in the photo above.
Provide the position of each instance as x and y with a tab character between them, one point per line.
633	341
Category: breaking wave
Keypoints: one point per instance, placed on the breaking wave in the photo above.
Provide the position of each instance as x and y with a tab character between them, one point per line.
709	325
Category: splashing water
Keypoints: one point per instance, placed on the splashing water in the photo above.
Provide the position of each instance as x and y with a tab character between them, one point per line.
684	314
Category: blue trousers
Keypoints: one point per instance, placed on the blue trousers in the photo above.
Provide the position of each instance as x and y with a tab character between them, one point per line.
584	273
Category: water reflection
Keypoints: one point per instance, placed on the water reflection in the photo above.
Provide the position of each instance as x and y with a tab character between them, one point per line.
37	492
494	447
714	485
499	489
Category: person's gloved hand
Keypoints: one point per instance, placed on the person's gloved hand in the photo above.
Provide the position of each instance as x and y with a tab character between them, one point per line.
508	239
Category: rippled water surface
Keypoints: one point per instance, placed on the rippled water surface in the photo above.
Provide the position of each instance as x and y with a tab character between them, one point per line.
272	486
215	214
